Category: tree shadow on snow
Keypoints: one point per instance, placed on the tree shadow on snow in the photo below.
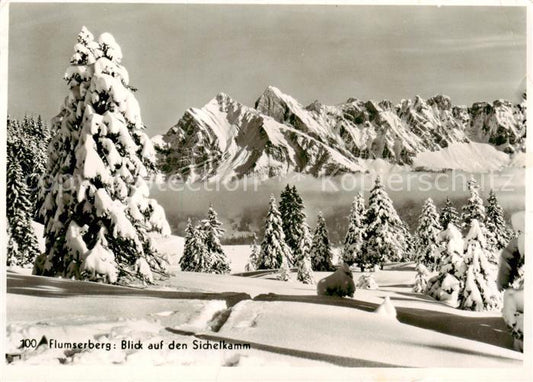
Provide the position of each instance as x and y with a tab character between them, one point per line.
454	349
40	286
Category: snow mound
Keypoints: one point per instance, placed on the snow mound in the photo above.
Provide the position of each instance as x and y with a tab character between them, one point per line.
386	309
201	322
469	157
366	281
513	309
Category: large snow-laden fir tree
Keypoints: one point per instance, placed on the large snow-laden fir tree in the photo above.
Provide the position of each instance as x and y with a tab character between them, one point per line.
96	207
321	254
386	234
427	251
495	223
273	246
196	257
446	285
22	242
448	215
212	232
353	241
479	290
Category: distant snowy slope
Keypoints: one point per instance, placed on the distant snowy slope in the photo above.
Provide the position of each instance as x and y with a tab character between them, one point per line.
518	160
171	245
470	157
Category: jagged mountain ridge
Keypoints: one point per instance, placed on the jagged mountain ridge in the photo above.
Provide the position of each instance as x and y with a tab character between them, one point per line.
228	140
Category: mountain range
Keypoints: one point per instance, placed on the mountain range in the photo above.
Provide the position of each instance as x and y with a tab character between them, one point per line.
228	140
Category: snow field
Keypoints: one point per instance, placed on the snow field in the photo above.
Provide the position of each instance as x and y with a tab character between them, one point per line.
363	336
108	322
469	157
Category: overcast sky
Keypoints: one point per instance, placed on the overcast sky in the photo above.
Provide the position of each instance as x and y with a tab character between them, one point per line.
181	56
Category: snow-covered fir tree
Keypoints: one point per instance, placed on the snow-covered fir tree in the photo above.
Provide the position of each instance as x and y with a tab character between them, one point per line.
292	212
479	291
286	206
446	285
254	256
321	254
304	242
196	257
305	270
386	233
474	208
421	278
366	281
448	215
353	241
96	207
212	232
495	223
273	246
302	256
410	246
187	257
427	251
22	242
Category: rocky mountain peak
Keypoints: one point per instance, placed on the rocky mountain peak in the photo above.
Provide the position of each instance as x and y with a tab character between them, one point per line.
228	139
315	106
441	101
272	102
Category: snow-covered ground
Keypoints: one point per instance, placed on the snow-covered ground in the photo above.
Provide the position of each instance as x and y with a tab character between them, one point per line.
284	323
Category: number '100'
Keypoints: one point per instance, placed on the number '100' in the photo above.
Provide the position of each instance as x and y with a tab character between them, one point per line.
27	343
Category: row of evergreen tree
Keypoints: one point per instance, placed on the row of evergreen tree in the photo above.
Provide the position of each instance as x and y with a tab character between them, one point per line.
431	223
287	242
462	271
376	234
202	250
27	142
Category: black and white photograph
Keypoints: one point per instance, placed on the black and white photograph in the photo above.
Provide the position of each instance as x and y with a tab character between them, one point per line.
204	188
